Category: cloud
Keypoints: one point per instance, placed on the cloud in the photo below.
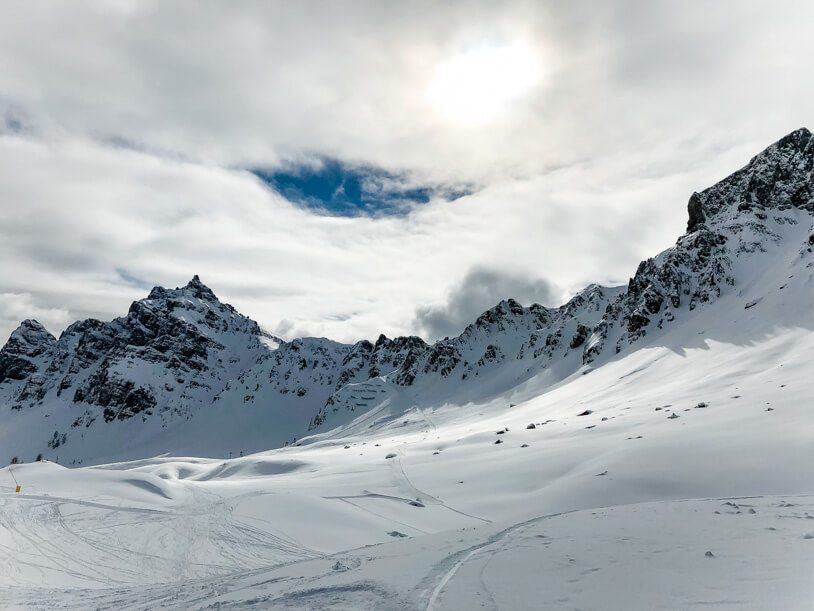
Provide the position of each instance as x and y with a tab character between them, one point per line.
284	328
16	307
262	83
479	290
74	215
125	143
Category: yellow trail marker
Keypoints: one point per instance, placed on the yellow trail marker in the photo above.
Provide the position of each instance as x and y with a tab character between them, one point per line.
18	489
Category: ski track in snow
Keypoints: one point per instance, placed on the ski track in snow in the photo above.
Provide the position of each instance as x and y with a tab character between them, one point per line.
504	542
446	576
302	584
425	497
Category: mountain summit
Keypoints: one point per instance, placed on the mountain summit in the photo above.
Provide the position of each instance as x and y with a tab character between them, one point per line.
184	373
780	177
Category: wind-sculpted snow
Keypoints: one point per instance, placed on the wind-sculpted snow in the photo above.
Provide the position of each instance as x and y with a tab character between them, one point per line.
183	372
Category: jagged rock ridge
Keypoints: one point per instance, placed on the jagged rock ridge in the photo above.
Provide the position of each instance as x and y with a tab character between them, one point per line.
180	352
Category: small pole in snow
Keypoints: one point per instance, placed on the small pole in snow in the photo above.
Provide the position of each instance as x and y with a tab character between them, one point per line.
11	473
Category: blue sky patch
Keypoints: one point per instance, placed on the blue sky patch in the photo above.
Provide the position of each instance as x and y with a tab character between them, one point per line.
335	188
132	280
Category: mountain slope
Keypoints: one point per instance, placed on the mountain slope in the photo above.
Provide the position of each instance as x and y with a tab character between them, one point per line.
647	446
617	507
187	374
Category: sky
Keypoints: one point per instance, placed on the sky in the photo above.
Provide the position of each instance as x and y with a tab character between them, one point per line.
345	169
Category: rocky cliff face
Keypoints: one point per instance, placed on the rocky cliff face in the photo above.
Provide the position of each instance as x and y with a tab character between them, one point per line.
18	357
181	352
173	350
739	216
779	178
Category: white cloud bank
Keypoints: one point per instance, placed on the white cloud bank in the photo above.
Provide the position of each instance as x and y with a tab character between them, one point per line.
123	128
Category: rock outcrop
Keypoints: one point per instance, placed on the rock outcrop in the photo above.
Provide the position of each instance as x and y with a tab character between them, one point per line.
180	351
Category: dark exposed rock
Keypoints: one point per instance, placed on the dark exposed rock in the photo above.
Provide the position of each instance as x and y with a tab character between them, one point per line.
181	349
490	355
15	368
697	267
695	211
30	339
57	440
25	344
580	336
175	329
779	177
200	290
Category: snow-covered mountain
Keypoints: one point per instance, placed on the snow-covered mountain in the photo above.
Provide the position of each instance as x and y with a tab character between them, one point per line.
641	447
184	373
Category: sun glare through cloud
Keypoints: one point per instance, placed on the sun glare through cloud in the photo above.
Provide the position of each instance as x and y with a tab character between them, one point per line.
478	86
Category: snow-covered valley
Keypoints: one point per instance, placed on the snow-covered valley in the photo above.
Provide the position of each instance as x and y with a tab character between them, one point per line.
641	447
614	509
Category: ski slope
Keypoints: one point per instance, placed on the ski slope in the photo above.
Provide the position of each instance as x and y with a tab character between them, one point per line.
615	509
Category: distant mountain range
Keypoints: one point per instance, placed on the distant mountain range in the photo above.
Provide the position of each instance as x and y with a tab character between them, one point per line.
183	372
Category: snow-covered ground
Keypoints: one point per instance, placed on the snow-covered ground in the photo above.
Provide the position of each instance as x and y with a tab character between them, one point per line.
615	509
663	460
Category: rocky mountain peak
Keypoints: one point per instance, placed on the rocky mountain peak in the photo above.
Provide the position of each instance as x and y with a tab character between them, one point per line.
504	310
780	177
181	351
26	343
193	288
199	289
799	139
29	339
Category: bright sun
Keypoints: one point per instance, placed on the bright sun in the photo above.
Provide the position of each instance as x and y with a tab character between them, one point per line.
476	87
